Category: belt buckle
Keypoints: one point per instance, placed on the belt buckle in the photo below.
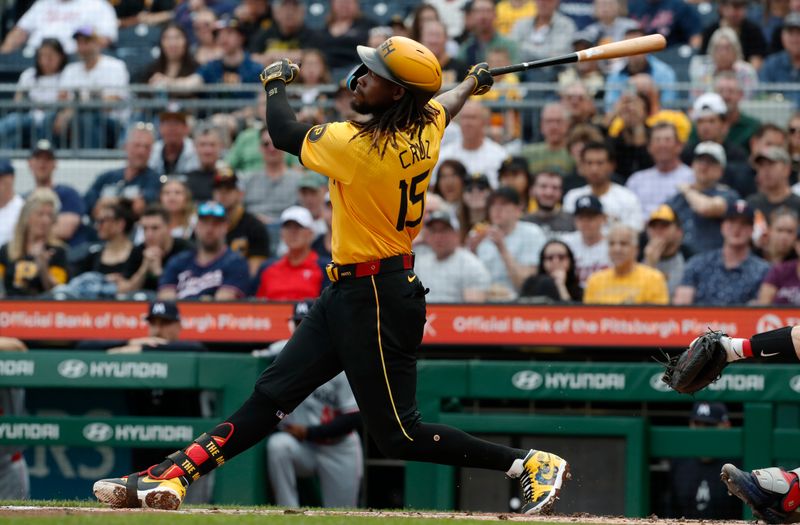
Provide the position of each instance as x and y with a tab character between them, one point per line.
333	272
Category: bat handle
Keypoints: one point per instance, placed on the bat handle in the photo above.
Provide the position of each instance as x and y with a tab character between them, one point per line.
496	71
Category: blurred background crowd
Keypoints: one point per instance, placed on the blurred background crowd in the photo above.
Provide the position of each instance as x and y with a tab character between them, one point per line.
135	162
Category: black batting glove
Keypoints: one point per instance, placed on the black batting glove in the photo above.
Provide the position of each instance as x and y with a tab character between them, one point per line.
284	70
483	79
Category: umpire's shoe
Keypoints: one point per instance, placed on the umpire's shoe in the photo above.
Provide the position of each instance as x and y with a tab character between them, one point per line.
772	493
141	490
541	478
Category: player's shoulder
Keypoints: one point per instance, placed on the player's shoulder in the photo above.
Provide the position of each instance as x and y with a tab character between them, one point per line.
331	131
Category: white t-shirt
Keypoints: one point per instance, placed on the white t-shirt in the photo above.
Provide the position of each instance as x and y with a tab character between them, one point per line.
653	187
451	12
109	77
449	278
588	259
619	204
42	89
61	18
486	159
524	244
9	214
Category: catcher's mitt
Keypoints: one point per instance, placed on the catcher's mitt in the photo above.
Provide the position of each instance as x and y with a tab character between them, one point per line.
698	366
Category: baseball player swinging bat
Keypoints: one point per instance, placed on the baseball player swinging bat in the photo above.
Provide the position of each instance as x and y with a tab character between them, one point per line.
623	48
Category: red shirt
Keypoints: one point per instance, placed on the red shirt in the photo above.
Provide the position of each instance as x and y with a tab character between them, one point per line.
282	281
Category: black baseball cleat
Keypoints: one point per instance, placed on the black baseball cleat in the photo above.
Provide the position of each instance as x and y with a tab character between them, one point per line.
140	490
772	493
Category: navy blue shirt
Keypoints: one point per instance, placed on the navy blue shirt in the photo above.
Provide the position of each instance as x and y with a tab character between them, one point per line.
216	72
716	285
193	281
701	234
778	68
113	184
677	20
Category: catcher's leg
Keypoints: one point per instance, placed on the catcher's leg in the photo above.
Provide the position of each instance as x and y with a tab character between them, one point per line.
772	493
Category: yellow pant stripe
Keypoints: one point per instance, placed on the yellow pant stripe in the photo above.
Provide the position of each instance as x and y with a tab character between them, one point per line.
383	362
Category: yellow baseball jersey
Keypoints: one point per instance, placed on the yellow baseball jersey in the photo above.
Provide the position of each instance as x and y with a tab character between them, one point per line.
378	203
644	285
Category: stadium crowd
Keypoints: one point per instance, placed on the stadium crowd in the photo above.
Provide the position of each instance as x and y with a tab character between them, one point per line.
615	192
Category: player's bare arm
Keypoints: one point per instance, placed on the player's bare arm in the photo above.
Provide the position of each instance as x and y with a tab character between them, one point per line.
477	82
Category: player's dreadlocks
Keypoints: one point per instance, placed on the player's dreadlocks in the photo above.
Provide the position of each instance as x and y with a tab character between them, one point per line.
406	116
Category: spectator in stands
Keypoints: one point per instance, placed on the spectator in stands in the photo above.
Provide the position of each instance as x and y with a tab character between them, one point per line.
176	200
741	126
781	285
777	244
589	74
175	66
619	203
767	135
114	220
300	273
579	136
317	439
311	190
552	151
450	182
235	67
42	163
558	278
629	133
93	78
212	270
644	84
575	97
727	276
627	281
60	19
246	234
34	260
475	149
508	248
206	48
454	14
773	169
784	66
254	15
38	84
509	12
10	202
663	248
770	19
209	142
547	34
147	260
483	34
187	12
270	191
164	328
245	156
663	75
514	173
421	15
545	204
433	35
793	142
733	16
724	56
656	185
476	205
455	274
286	37
345	28
677	20
313	77
136	181
138	12
709	115
588	243
701	205
609	26
174	153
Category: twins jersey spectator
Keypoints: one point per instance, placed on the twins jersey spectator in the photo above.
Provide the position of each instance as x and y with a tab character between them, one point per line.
588	243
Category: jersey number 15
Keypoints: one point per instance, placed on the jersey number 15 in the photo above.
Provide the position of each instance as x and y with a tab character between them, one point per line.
409	192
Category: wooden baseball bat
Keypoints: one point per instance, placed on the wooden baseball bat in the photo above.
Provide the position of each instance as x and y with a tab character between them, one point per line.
623	48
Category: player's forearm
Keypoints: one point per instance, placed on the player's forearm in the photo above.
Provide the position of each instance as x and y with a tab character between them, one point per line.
286	132
454	99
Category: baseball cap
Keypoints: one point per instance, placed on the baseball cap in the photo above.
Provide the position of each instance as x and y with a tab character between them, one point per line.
85	31
211	209
230	23
444	217
711	149
663	213
312	179
477	179
163	310
173	111
773	154
740	208
711	413
504	193
514	164
43	147
301	309
299	215
588	205
225	176
6	168
791	20
708	105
